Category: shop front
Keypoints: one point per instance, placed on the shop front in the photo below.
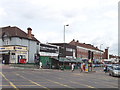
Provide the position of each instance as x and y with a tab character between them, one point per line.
13	54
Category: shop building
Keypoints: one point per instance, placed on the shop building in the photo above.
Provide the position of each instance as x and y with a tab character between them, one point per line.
16	38
14	54
87	51
67	55
66	50
49	55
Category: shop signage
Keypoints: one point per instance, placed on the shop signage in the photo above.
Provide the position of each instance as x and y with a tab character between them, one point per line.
20	48
48	48
13	48
6	48
48	54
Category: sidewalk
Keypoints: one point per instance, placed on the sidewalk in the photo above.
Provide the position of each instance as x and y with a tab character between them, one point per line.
32	66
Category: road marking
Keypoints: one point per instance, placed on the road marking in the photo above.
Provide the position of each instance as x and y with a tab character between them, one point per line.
32	81
61	84
9	81
104	79
82	84
19	85
70	81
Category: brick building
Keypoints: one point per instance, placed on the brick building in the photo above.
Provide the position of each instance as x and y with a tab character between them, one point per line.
87	51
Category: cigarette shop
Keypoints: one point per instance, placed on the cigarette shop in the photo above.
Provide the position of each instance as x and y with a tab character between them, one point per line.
13	54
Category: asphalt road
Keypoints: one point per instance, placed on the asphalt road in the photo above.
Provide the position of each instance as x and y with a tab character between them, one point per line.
19	78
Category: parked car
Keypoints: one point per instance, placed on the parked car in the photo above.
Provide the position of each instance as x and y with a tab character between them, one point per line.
115	71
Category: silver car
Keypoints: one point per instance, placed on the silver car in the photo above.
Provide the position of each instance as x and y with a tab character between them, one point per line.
115	71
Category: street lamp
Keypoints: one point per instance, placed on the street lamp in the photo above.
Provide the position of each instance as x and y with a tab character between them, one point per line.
100	52
64	43
64	32
108	53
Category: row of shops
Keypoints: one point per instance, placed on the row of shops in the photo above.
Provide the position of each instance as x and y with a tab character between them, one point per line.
48	55
18	47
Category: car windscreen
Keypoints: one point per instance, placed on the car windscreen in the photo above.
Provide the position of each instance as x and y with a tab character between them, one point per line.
117	68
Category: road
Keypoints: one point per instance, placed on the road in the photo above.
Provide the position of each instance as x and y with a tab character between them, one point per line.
19	79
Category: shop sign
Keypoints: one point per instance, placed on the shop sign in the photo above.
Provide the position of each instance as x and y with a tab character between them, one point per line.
6	48
48	54
48	48
20	48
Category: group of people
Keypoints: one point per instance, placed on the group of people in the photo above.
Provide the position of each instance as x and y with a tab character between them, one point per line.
81	66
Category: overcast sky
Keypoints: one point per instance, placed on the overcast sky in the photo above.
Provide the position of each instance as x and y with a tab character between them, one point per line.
90	21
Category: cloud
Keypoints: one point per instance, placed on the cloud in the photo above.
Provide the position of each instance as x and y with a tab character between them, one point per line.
91	21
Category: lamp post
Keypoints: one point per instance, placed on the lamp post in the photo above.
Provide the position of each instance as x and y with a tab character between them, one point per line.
64	31
108	53
64	43
100	52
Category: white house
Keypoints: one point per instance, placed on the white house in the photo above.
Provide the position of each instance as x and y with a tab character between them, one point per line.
16	44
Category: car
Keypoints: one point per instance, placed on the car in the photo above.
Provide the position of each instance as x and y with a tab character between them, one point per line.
115	71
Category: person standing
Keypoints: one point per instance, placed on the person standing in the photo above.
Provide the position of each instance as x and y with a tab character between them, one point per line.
83	67
40	65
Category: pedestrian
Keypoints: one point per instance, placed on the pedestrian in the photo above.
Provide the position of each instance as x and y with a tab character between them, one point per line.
3	61
105	69
80	67
73	66
40	65
83	67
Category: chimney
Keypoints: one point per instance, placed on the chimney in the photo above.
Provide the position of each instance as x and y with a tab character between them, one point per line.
29	32
78	41
106	54
73	40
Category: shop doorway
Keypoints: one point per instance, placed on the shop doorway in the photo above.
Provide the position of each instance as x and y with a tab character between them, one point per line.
6	58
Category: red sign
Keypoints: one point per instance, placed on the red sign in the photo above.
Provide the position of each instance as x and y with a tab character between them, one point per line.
22	60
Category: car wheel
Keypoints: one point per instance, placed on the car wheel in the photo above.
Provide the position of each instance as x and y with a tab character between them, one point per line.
113	74
109	74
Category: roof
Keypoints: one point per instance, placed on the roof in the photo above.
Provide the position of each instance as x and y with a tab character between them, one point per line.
15	32
89	46
62	44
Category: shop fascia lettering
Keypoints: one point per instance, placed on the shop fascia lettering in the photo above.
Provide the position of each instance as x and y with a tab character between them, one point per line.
13	48
47	48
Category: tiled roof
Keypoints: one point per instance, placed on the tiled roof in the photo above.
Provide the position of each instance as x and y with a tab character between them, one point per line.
89	46
15	32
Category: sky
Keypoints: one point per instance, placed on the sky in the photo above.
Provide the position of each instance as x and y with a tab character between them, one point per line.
90	21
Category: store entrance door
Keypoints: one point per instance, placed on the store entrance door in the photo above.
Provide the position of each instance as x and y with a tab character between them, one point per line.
6	57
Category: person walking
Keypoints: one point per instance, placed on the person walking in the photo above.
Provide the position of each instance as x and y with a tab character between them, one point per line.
73	66
80	67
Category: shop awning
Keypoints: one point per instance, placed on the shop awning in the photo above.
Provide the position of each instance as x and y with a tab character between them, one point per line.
4	52
61	59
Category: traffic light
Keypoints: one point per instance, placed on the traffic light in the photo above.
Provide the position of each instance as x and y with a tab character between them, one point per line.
89	54
92	55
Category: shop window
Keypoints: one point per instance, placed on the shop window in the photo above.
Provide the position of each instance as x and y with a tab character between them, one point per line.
13	55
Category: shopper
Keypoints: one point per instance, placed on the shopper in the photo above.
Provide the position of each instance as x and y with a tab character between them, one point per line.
73	66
